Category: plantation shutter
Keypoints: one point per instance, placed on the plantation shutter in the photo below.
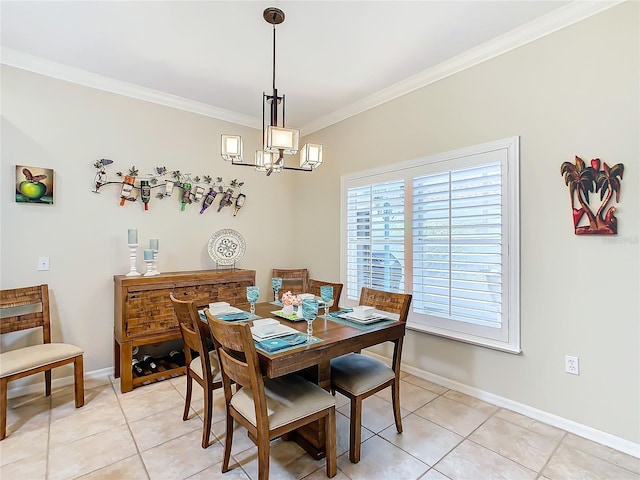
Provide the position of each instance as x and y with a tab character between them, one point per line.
375	233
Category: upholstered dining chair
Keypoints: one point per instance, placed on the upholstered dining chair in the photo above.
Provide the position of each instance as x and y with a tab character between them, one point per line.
26	308
266	407
314	287
293	280
205	368
359	376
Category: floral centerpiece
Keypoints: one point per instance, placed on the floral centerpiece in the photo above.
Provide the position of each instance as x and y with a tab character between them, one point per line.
288	301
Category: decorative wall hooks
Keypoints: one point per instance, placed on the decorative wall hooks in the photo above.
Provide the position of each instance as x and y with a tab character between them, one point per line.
193	190
582	180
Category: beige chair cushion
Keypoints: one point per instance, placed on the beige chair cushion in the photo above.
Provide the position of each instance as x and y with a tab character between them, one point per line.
27	358
357	373
288	399
196	366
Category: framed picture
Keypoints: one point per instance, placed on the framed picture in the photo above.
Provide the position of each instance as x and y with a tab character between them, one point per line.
34	185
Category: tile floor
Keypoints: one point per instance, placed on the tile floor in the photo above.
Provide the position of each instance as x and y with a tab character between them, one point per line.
141	435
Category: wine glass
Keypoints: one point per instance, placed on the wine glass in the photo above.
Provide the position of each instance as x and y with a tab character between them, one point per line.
276	284
326	293
309	312
252	297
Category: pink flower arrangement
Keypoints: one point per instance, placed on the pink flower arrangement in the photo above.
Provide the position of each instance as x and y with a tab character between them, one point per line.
289	298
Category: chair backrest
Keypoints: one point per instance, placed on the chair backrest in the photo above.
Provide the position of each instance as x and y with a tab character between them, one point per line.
294	280
193	330
387	301
393	303
239	362
25	308
314	287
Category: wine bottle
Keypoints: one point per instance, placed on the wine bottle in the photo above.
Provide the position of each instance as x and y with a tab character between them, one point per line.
136	368
177	357
145	193
127	188
149	363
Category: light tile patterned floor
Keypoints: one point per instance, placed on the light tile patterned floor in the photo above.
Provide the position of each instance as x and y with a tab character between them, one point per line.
141	435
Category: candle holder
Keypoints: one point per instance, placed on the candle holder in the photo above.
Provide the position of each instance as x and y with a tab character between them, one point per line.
132	258
150	270
154	266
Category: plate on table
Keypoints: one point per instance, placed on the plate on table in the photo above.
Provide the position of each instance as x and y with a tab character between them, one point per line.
217	312
375	317
292	318
226	247
281	331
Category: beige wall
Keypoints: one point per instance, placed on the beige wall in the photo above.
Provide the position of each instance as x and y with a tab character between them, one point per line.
575	92
55	124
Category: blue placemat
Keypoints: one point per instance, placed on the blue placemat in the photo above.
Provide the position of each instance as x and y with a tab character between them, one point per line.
283	344
234	317
278	303
360	326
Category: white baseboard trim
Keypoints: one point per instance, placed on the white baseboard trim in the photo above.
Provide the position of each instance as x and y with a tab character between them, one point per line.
617	443
96	375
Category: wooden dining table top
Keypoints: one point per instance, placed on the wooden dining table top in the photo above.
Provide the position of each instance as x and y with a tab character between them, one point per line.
336	339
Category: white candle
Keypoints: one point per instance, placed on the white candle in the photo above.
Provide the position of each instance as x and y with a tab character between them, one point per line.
153	243
133	236
148	254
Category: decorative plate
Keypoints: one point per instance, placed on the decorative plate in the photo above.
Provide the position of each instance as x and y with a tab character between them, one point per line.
226	247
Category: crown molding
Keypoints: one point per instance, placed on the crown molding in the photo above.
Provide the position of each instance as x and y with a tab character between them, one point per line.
569	14
563	17
24	61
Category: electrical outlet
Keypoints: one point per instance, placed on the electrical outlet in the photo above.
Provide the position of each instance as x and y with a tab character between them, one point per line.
43	263
571	365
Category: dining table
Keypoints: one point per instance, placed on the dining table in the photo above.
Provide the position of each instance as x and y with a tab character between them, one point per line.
333	337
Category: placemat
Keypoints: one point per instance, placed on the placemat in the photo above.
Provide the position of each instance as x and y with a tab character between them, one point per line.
360	326
286	349
278	303
251	316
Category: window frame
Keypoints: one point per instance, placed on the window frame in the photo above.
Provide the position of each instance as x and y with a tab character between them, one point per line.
508	150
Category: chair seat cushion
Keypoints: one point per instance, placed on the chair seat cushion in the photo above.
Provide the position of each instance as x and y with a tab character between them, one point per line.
196	366
28	358
357	373
289	399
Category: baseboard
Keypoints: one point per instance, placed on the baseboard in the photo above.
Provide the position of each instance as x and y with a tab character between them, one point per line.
617	443
95	376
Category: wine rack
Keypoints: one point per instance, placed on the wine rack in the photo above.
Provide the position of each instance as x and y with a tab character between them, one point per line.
143	314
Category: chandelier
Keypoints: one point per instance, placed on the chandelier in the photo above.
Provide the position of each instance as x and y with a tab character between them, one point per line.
277	140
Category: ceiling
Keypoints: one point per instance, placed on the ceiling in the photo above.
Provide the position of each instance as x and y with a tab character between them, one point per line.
333	59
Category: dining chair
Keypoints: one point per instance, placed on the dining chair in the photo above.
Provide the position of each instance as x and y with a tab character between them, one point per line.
314	287
293	280
359	376
267	408
27	308
205	367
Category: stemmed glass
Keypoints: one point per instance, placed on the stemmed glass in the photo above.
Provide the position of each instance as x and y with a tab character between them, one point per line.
252	297
276	284
326	294
309	312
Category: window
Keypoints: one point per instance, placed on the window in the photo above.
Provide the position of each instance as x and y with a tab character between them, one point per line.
446	228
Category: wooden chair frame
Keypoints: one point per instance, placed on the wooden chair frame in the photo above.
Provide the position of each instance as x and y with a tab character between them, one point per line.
393	303
314	287
195	333
239	363
23	298
294	280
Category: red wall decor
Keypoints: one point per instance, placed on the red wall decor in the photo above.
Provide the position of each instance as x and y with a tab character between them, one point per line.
583	180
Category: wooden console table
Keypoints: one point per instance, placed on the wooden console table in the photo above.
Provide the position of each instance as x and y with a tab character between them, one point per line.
143	313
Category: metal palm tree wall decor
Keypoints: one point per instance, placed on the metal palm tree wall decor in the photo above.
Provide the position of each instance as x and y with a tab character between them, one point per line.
582	180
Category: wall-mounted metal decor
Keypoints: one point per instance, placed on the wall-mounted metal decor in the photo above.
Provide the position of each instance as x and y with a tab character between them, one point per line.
190	190
595	178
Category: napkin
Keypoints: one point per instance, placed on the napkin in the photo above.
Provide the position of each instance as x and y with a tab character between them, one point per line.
235	316
275	344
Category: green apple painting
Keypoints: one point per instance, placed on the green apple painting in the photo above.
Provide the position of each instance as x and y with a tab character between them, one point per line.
34	185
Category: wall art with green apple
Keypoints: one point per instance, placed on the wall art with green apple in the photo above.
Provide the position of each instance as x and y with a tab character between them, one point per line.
34	185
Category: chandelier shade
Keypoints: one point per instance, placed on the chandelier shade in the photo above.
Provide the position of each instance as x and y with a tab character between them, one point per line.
278	140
